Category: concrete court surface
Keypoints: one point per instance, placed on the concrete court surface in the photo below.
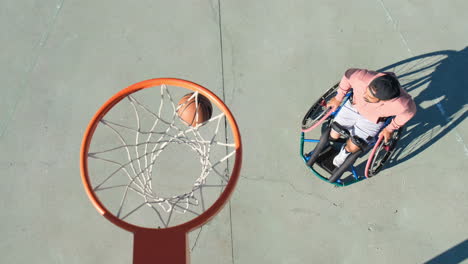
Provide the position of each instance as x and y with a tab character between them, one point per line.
61	59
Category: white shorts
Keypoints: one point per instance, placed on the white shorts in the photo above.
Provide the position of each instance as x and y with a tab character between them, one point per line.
349	118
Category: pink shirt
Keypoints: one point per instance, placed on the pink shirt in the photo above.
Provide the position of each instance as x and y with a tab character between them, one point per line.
403	107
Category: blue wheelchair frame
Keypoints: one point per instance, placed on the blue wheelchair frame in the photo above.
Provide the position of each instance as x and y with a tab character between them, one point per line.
339	182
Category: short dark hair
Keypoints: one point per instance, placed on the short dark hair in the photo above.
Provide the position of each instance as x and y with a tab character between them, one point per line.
385	87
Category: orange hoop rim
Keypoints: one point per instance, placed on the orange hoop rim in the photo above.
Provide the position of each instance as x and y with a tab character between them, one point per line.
105	108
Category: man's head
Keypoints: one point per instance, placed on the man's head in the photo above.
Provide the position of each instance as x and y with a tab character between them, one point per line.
383	88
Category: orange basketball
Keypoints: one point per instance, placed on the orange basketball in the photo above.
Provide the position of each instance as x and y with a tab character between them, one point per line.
194	113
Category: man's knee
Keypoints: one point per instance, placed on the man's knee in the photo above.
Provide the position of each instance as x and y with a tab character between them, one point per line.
334	135
355	144
338	130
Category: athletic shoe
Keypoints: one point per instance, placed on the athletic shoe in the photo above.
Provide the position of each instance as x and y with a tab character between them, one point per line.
341	157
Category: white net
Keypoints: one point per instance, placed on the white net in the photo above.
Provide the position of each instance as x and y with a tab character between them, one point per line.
149	168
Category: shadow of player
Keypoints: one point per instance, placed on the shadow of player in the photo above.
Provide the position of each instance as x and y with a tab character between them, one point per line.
438	83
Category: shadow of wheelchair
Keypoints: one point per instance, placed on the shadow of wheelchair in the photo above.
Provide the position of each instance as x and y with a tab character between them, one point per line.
438	83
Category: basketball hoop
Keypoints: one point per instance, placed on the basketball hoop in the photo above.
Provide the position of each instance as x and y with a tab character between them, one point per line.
123	154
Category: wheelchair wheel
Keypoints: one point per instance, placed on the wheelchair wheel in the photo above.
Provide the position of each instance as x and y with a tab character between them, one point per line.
382	154
319	108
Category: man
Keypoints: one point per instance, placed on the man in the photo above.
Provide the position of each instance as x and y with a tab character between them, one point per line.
376	96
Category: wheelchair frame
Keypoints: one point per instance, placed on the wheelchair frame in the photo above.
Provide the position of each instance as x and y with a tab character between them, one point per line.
379	147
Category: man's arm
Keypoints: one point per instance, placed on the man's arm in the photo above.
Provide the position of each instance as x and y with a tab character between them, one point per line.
345	83
399	120
343	88
402	118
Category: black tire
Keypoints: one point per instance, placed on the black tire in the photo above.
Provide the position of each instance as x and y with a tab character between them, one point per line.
318	109
383	153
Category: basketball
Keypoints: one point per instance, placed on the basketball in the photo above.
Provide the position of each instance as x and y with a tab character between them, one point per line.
194	110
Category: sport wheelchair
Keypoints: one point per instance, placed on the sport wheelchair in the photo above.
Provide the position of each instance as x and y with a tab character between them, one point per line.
325	150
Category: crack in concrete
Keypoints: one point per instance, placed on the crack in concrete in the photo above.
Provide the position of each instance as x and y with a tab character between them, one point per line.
292	186
395	26
221	50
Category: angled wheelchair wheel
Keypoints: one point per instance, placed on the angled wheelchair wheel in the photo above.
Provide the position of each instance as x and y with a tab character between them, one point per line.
319	109
383	153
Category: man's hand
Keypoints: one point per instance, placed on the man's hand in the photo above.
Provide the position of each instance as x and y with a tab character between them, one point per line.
333	103
386	134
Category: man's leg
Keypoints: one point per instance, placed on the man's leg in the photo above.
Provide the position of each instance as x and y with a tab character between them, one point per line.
345	120
346	117
363	133
348	148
